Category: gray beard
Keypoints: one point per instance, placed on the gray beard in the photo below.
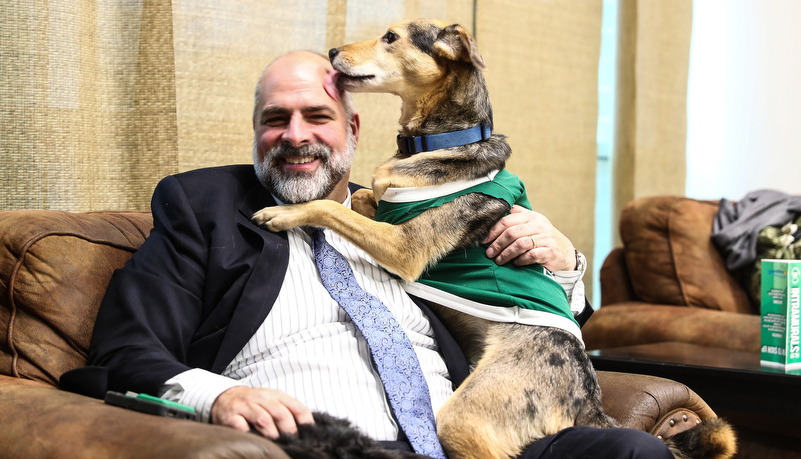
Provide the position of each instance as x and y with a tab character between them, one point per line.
297	187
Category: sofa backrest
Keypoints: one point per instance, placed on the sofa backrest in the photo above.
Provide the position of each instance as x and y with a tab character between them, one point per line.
671	258
54	270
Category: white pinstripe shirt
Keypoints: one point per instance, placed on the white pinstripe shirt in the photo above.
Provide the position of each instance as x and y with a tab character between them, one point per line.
309	348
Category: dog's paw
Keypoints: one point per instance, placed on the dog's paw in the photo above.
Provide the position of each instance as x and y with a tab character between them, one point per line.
364	203
382	179
278	218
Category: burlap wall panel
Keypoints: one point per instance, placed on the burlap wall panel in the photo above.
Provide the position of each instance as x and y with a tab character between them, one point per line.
80	87
155	131
542	59
651	123
221	46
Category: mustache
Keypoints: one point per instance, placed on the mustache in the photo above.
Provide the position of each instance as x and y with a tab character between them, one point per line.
286	150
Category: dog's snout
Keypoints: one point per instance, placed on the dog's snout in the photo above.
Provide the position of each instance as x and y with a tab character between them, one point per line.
332	53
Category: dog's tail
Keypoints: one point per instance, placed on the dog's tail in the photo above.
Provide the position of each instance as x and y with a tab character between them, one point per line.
712	439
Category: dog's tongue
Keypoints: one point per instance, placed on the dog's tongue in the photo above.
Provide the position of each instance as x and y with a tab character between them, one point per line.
330	84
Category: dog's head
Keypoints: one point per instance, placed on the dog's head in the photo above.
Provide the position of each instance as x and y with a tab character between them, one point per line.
410	59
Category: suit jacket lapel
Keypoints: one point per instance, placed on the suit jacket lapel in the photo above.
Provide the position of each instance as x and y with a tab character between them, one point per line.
265	281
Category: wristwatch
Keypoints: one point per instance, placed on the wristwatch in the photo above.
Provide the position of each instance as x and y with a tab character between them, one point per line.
581	262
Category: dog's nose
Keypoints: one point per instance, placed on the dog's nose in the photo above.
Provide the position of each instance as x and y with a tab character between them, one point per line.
332	53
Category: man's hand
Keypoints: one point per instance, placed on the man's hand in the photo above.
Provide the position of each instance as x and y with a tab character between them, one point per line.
269	411
512	235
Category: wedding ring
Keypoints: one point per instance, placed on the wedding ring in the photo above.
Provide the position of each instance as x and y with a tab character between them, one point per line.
534	242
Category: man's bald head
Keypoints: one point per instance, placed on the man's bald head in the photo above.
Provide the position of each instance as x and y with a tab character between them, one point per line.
300	65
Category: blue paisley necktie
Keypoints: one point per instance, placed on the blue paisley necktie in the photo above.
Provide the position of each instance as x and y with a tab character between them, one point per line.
392	351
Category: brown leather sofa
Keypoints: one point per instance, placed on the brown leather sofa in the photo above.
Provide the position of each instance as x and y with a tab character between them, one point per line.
54	268
669	283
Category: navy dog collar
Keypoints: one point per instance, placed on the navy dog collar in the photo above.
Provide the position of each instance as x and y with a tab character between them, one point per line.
410	145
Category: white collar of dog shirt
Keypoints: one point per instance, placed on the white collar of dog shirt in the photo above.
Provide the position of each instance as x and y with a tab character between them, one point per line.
398	195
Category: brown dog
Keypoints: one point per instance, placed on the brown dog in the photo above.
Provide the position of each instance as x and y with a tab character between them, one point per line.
532	378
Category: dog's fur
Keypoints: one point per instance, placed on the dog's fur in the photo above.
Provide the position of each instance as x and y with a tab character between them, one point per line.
333	438
528	382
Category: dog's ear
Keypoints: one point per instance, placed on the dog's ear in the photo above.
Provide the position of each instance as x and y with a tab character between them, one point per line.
455	43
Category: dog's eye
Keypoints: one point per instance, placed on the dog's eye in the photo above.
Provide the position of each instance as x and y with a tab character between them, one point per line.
390	37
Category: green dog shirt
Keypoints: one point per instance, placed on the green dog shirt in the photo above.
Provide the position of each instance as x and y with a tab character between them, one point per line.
468	281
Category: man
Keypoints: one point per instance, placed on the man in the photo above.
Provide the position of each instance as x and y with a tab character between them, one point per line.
233	320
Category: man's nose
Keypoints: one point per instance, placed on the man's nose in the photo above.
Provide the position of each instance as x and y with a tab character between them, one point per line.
297	132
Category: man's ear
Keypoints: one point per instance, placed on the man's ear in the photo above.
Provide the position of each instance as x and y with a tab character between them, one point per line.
456	44
355	124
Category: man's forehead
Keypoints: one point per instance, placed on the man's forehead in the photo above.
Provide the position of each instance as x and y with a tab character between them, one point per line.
297	75
297	71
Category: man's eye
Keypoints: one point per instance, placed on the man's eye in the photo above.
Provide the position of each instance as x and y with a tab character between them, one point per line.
274	121
390	37
320	118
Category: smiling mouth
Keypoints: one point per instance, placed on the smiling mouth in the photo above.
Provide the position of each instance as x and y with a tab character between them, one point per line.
299	159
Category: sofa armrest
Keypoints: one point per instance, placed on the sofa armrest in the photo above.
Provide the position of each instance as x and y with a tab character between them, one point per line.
650	403
628	324
40	421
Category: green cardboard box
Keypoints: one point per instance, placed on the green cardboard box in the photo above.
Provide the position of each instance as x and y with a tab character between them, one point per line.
781	314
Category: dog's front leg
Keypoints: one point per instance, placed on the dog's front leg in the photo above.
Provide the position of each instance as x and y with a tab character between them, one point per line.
387	244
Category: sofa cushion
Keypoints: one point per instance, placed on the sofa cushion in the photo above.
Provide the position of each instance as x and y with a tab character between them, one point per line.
670	256
54	269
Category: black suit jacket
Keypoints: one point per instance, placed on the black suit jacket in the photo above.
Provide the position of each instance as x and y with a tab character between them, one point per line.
198	288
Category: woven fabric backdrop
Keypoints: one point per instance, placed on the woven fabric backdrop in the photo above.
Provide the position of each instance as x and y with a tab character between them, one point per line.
99	100
651	120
